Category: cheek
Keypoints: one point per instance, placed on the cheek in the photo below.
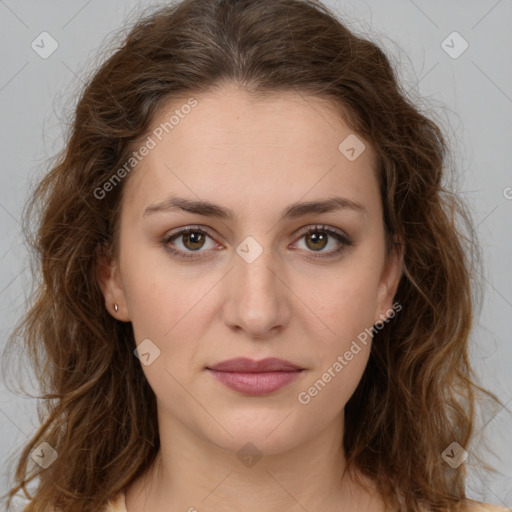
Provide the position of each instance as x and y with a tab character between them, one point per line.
157	294
168	308
326	393
162	311
344	302
346	305
153	307
341	353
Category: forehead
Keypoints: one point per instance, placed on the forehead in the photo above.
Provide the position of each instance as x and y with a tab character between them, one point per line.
230	144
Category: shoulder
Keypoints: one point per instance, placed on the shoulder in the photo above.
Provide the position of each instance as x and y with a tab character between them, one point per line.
476	506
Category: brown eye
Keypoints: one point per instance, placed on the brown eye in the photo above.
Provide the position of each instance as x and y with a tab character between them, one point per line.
316	241
193	240
317	238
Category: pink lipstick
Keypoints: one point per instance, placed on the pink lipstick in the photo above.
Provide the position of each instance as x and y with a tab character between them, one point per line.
255	377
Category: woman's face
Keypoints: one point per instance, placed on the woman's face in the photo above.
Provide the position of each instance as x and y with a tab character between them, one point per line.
254	285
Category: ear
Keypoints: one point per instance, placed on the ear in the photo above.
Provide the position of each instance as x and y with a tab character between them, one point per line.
390	278
110	283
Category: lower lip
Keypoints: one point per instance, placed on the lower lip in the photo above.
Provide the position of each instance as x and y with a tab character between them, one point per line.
256	383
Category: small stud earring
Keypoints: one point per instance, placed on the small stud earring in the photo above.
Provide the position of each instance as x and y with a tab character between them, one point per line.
116	307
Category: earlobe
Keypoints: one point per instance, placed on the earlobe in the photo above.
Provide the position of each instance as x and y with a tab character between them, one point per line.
109	281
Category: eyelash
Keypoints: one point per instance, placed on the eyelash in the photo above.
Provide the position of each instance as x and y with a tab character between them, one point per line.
340	237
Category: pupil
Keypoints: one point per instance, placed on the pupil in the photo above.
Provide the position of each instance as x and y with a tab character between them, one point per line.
316	238
193	238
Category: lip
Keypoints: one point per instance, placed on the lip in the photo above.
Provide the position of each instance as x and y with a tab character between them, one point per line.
246	365
255	377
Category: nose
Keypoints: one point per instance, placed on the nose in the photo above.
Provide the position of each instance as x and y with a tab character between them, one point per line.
257	296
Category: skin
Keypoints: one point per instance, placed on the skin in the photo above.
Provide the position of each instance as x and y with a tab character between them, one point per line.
254	157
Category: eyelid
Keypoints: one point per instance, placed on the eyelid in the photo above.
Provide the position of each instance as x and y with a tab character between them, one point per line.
321	227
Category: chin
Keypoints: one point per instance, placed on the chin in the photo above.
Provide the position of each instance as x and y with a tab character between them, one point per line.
268	435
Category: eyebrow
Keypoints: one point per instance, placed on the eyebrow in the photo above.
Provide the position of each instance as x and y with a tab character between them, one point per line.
293	211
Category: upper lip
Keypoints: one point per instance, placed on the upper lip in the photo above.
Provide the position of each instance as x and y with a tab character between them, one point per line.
245	365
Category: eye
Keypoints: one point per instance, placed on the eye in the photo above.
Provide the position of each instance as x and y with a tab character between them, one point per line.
317	238
193	239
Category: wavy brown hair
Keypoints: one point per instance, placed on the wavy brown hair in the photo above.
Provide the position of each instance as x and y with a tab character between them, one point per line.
417	394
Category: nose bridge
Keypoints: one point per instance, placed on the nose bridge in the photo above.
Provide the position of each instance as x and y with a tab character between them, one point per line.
253	266
257	302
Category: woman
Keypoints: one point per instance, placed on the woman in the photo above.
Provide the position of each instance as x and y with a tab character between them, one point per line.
255	294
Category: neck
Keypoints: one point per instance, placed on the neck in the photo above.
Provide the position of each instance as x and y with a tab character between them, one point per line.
192	474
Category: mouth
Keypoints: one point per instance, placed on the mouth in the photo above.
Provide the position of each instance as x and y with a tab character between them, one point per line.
251	377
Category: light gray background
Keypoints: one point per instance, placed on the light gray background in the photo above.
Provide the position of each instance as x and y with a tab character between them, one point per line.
471	96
